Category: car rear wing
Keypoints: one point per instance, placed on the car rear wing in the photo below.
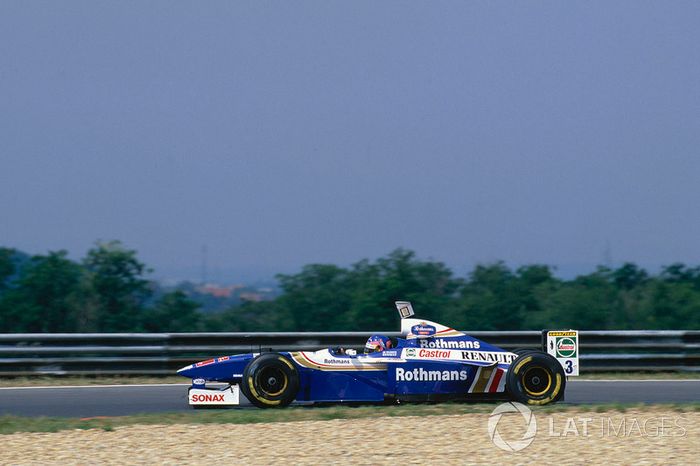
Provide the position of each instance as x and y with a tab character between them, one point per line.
405	309
563	345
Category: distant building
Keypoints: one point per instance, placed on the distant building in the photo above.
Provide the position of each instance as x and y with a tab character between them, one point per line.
255	297
219	291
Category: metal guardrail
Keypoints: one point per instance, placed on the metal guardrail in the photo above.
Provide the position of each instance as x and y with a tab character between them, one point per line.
164	353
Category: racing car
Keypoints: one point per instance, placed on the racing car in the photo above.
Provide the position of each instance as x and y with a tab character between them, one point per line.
430	362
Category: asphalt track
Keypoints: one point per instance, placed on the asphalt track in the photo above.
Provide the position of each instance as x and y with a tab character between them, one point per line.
121	400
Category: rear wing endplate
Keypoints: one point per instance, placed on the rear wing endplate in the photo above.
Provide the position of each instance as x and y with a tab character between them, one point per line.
405	309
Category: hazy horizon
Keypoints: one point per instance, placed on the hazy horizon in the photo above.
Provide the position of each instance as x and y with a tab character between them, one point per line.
280	134
252	274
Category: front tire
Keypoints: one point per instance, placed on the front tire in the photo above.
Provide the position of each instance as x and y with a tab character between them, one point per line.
535	378
270	381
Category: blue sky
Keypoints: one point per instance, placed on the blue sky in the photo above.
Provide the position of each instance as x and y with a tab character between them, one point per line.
284	133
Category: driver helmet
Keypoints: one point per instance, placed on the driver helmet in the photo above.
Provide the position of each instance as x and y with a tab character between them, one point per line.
377	343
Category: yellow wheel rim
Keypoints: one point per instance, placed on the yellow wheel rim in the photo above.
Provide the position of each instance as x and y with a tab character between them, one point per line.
532	392
284	386
266	389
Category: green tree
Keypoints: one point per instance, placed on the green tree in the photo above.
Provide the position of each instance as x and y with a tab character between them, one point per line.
267	316
400	276
7	266
116	276
629	276
328	297
488	300
316	298
45	297
174	312
680	273
675	305
633	285
589	302
534	282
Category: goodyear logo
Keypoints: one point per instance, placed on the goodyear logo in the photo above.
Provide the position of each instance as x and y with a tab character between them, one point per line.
562	334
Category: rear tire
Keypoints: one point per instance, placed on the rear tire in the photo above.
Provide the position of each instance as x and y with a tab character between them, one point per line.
520	351
270	381
535	378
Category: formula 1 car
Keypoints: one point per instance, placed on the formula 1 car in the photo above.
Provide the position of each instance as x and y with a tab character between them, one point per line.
431	363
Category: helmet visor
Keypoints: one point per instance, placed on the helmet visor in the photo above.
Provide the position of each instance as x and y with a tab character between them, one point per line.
373	347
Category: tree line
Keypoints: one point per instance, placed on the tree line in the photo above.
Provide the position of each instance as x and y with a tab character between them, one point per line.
108	291
105	292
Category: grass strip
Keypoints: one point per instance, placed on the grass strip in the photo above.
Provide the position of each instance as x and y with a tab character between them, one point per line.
16	424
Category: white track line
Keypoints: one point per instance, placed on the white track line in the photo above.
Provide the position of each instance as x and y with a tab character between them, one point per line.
97	386
49	387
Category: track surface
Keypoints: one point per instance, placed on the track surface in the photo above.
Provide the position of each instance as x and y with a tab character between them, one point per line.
134	399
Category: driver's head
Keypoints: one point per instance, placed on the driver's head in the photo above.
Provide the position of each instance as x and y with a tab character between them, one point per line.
377	343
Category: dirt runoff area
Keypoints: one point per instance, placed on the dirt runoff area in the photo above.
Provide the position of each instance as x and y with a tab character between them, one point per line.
640	436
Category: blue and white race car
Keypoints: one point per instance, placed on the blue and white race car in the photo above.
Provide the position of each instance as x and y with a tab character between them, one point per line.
432	362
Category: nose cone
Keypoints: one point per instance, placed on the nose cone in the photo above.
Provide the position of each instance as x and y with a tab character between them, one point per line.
223	369
187	371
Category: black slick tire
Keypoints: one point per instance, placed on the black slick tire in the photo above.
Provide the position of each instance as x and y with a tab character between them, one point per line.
535	378
270	381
